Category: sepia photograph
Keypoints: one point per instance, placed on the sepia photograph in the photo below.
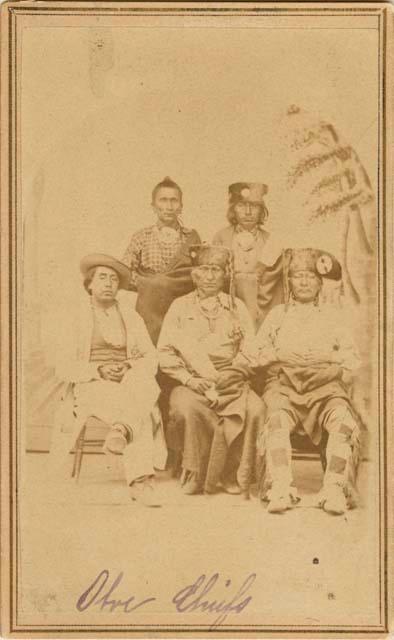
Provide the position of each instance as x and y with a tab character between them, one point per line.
196	315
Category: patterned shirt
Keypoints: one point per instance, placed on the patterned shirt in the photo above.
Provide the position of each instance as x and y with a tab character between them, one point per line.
153	249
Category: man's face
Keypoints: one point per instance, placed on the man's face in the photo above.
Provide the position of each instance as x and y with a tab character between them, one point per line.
247	214
167	204
104	285
209	279
305	285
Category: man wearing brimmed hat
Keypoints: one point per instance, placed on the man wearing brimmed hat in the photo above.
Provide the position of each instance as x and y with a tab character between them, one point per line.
158	257
308	356
109	363
246	237
214	416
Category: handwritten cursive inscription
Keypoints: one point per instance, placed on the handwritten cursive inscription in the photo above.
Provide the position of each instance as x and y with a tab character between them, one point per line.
98	594
193	598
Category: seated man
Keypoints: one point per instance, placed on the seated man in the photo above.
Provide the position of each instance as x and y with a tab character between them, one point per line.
308	356
213	416
109	364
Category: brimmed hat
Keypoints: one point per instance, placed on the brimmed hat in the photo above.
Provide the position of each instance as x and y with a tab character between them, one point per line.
252	192
210	254
102	260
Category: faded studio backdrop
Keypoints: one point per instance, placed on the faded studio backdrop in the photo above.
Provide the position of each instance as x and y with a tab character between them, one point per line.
106	112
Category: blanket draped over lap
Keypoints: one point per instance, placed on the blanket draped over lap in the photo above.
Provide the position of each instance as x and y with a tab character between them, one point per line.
231	409
307	388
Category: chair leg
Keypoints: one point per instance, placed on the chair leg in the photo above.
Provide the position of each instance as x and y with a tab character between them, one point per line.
74	469
78	455
78	461
74	465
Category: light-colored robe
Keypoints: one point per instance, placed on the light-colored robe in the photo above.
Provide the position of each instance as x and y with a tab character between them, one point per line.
74	368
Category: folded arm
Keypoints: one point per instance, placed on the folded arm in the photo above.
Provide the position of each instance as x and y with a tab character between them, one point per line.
180	357
71	369
170	359
346	354
262	348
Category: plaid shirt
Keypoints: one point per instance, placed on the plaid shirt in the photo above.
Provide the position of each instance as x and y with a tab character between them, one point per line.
151	250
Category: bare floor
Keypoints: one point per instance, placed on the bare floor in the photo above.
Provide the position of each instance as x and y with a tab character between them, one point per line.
310	568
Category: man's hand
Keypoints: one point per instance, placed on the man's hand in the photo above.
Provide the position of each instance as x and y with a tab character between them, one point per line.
199	385
113	372
122	370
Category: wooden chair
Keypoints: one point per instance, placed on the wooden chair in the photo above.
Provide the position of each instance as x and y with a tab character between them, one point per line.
91	444
304	449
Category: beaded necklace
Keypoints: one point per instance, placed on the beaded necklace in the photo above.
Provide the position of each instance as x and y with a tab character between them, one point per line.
210	315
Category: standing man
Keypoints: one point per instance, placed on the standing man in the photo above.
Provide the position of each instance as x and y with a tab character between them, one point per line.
158	258
108	363
246	237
